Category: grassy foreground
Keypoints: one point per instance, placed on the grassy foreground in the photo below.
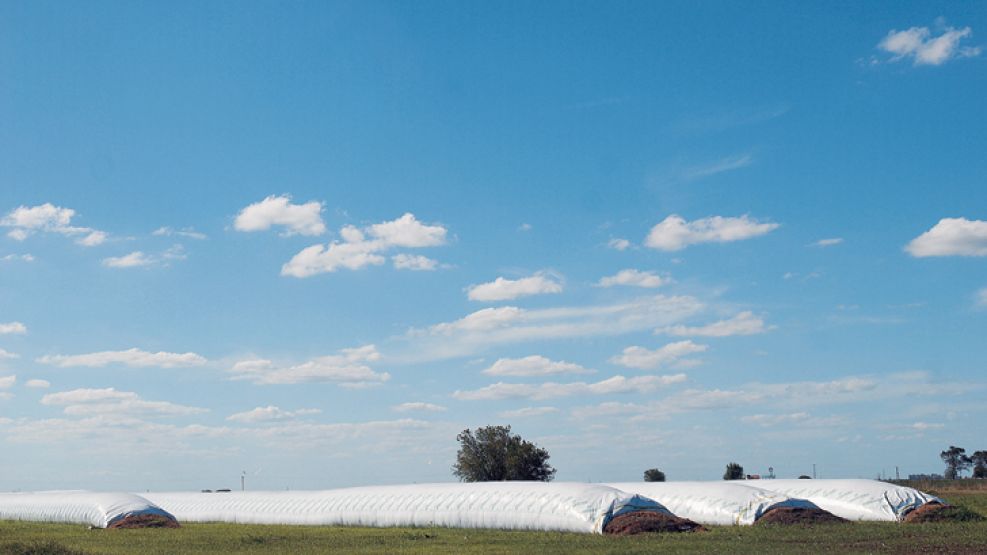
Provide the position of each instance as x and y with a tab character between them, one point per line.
952	537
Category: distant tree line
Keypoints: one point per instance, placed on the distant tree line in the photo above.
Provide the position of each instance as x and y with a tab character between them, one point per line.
958	461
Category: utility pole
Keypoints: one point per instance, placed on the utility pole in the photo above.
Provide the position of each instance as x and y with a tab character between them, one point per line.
897	476
813	471
243	479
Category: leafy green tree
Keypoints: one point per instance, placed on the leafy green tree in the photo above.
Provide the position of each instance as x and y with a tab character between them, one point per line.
734	472
493	454
979	460
956	461
654	475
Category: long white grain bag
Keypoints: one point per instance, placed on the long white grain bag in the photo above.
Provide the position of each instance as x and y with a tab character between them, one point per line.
569	507
99	510
855	499
714	503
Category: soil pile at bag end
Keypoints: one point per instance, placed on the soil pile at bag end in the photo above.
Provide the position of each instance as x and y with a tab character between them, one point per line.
937	512
798	515
640	522
144	521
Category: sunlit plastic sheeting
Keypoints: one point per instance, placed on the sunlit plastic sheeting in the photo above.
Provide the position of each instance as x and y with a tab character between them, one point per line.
854	499
98	510
570	507
713	503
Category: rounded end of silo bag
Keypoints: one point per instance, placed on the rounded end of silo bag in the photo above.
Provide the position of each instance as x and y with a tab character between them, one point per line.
144	519
641	522
941	512
799	516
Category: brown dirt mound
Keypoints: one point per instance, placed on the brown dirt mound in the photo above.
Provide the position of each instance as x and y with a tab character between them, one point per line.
937	512
798	515
144	521
639	522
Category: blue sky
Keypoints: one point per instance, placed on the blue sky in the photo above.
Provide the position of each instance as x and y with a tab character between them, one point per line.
314	241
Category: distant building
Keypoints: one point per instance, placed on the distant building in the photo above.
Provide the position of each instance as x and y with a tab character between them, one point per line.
926	477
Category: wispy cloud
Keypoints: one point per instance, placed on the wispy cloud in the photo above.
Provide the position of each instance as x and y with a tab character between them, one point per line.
645	359
485	328
619	244
634	278
187	232
549	390
744	323
528	412
503	289
674	233
135	358
831	242
350	367
534	365
722	165
922	47
12	328
139	259
270	413
91	402
418	406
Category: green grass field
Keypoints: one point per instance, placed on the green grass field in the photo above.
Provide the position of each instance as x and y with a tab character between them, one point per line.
951	538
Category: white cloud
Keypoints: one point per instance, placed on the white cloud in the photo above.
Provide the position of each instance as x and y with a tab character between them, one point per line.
135	259
5	354
729	163
644	359
134	357
619	244
21	257
502	289
951	237
418	406
828	242
744	323
139	259
319	259
12	327
981	298
47	217
109	401
37	384
534	365
269	413
356	251
634	278
407	231
924	426
674	233
524	227
776	419
296	219
6	382
187	232
92	239
349	367
42	217
918	44
549	390
493	326
415	262
527	412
